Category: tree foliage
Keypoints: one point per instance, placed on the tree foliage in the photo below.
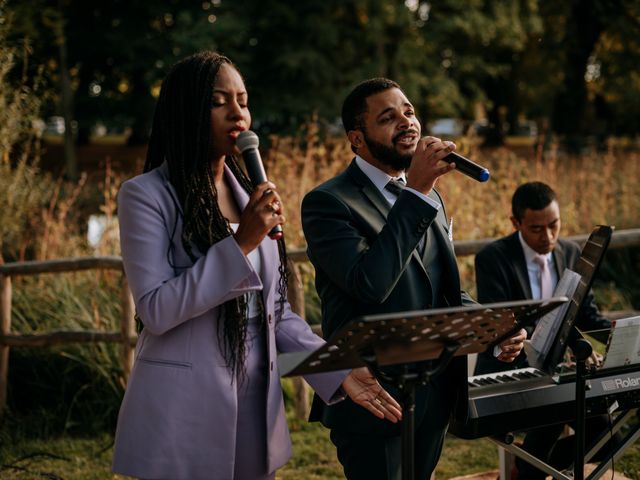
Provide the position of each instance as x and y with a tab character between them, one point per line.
22	191
569	62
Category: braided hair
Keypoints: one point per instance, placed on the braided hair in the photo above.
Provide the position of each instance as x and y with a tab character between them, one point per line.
181	136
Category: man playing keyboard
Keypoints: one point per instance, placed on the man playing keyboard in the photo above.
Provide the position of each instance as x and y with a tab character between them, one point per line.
527	265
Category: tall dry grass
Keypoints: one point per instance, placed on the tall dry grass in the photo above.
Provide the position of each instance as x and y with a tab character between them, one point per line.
56	389
298	164
71	387
592	189
595	188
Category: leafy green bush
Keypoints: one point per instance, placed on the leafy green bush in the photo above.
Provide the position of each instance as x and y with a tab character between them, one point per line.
23	191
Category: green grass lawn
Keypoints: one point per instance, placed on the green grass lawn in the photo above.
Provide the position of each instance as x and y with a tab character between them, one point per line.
314	456
313	459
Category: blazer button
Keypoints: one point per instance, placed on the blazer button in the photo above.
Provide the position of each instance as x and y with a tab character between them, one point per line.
271	366
269	318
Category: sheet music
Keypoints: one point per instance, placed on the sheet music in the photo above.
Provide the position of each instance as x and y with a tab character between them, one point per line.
623	347
548	326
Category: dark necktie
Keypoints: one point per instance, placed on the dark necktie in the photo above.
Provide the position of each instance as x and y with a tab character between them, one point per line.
395	186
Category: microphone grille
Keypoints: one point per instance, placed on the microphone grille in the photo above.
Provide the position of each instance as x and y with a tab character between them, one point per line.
246	140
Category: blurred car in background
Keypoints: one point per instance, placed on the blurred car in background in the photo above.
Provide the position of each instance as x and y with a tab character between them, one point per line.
54	126
526	128
446	127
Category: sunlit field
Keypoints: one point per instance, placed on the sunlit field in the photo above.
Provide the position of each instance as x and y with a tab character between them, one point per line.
63	401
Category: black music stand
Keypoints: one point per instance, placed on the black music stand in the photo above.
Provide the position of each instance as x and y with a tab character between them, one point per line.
406	337
582	350
587	265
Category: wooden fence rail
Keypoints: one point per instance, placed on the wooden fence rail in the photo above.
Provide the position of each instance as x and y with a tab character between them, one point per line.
127	335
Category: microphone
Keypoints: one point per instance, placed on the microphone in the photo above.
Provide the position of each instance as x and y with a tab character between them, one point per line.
466	166
248	142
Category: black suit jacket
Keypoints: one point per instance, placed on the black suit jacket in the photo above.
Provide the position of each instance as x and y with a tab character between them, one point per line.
501	276
364	253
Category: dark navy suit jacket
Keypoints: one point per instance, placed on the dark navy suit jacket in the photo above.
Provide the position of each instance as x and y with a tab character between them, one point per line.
501	276
364	253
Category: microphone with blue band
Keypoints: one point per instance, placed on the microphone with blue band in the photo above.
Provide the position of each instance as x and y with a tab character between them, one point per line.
469	168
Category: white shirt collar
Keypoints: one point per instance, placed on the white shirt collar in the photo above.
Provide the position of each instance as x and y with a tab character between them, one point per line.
530	253
377	176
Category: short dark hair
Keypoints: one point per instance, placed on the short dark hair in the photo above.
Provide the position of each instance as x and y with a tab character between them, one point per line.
355	104
532	195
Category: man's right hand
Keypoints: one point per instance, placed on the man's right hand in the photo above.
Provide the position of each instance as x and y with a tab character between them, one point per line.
363	389
262	213
427	165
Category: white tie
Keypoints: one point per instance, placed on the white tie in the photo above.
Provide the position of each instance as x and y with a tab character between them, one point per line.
545	277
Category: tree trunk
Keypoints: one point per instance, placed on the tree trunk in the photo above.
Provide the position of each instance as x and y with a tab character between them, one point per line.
584	26
494	135
70	160
141	107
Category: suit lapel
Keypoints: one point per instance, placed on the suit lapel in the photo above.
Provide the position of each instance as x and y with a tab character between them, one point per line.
267	248
164	173
437	227
520	263
450	275
370	192
558	259
373	196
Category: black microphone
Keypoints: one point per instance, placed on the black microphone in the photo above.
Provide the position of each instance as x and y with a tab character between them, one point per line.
248	143
466	166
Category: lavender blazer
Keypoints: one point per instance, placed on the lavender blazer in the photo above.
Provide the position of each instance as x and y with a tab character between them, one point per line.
178	416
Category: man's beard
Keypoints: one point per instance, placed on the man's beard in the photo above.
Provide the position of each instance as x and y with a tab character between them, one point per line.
388	154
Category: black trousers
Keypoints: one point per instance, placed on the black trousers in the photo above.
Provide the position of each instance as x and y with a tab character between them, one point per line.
371	457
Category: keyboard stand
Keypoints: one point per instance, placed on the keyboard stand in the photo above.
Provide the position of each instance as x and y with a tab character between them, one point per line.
582	350
618	450
624	418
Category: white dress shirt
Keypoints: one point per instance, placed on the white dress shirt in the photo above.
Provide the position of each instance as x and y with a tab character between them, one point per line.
253	303
533	269
380	180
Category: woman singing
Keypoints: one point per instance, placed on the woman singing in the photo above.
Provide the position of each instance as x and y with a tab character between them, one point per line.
204	399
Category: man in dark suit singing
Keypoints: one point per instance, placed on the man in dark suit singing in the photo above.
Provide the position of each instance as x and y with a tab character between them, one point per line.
527	265
380	242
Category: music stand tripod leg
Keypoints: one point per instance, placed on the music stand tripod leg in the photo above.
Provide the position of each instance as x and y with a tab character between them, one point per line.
408	402
582	350
407	382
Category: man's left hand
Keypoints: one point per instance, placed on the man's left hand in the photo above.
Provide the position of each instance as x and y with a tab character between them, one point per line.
363	389
595	360
512	346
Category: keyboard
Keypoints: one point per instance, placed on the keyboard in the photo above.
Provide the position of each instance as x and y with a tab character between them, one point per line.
526	398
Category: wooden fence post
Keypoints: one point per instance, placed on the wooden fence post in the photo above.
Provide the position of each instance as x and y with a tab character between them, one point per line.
127	328
5	329
296	300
